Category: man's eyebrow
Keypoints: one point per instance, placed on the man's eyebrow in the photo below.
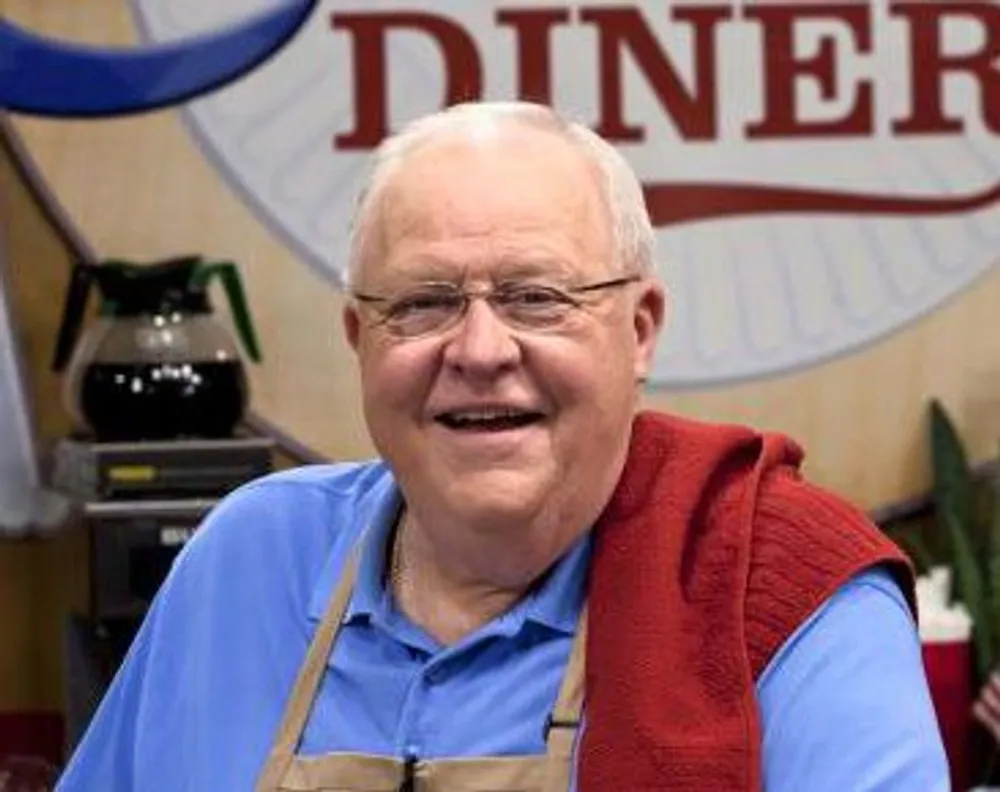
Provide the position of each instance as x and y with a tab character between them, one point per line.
532	267
423	269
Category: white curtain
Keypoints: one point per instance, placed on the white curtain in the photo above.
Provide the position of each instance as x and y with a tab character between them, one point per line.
25	505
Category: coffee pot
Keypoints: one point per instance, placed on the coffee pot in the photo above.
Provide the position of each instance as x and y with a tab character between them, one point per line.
156	364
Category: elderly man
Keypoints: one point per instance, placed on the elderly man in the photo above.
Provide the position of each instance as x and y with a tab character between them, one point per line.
535	588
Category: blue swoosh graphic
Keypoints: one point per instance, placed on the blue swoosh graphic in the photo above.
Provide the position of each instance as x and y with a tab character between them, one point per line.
48	77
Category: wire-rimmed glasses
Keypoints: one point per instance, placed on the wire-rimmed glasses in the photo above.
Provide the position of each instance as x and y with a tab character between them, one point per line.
434	307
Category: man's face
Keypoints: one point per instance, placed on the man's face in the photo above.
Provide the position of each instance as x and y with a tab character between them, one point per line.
486	423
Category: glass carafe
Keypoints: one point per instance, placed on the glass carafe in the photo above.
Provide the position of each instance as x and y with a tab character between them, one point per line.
156	364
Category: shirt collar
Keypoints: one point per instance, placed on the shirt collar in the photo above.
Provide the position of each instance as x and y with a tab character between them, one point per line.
557	601
376	514
369	595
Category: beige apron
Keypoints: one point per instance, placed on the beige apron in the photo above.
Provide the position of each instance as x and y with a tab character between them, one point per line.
353	772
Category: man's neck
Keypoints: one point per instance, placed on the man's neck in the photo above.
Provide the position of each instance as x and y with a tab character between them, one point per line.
451	592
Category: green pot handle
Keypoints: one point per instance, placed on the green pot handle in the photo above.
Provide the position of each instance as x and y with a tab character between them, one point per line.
230	276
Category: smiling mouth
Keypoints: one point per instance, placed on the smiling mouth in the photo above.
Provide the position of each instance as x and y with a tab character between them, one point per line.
488	420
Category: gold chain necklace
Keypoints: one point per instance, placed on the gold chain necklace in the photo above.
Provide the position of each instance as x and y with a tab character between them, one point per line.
395	560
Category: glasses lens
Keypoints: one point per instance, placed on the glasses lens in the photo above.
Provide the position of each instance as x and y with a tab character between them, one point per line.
424	310
532	305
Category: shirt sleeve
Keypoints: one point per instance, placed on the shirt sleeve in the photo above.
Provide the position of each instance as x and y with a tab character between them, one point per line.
845	703
198	698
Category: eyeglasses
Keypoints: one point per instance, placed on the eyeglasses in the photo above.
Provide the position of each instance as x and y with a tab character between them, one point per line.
436	307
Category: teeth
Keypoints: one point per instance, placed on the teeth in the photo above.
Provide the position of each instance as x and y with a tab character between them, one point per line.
485	415
493	418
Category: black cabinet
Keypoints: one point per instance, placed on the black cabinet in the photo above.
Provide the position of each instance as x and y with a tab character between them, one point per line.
140	503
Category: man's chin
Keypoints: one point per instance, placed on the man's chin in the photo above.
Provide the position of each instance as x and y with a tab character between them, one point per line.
495	494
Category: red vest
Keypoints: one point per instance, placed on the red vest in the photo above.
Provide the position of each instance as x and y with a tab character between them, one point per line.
711	552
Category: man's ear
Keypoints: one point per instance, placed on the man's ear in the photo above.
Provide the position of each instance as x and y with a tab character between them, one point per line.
650	309
352	325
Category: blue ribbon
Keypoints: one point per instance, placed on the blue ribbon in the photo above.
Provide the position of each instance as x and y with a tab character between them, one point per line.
47	77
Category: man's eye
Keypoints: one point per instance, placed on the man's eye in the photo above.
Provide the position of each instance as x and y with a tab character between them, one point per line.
423	303
533	297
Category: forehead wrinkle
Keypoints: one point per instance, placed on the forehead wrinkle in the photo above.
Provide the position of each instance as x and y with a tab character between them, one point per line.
426	269
510	264
541	266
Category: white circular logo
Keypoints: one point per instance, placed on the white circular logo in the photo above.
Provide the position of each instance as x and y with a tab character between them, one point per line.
819	176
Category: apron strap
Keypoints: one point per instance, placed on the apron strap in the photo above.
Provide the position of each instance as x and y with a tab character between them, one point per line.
563	724
308	682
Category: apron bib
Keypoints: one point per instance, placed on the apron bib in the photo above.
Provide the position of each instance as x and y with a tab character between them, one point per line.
356	772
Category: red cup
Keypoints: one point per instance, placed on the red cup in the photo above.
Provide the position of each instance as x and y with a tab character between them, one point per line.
948	665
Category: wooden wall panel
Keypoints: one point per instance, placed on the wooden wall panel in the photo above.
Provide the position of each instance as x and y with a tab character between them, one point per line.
40	580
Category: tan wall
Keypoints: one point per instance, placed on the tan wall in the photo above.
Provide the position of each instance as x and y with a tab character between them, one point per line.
40	581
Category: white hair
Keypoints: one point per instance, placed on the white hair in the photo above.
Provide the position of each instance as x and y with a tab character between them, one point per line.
632	232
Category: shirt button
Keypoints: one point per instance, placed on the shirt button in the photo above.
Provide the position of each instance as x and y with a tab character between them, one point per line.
435	676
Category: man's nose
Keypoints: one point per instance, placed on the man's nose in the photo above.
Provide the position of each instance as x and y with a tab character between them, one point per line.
483	345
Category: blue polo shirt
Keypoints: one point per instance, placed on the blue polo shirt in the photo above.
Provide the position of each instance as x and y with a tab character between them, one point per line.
196	704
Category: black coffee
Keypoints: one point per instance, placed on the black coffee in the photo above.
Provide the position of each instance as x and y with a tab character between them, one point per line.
161	401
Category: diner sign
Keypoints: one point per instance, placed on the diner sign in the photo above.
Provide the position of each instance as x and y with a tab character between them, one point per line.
819	174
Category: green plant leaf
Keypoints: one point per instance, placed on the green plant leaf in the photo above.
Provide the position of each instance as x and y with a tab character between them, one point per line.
954	505
971	590
994	552
953	486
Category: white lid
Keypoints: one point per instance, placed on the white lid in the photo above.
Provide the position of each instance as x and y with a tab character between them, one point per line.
941	622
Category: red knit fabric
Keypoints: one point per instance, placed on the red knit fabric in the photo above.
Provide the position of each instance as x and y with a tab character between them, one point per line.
710	554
